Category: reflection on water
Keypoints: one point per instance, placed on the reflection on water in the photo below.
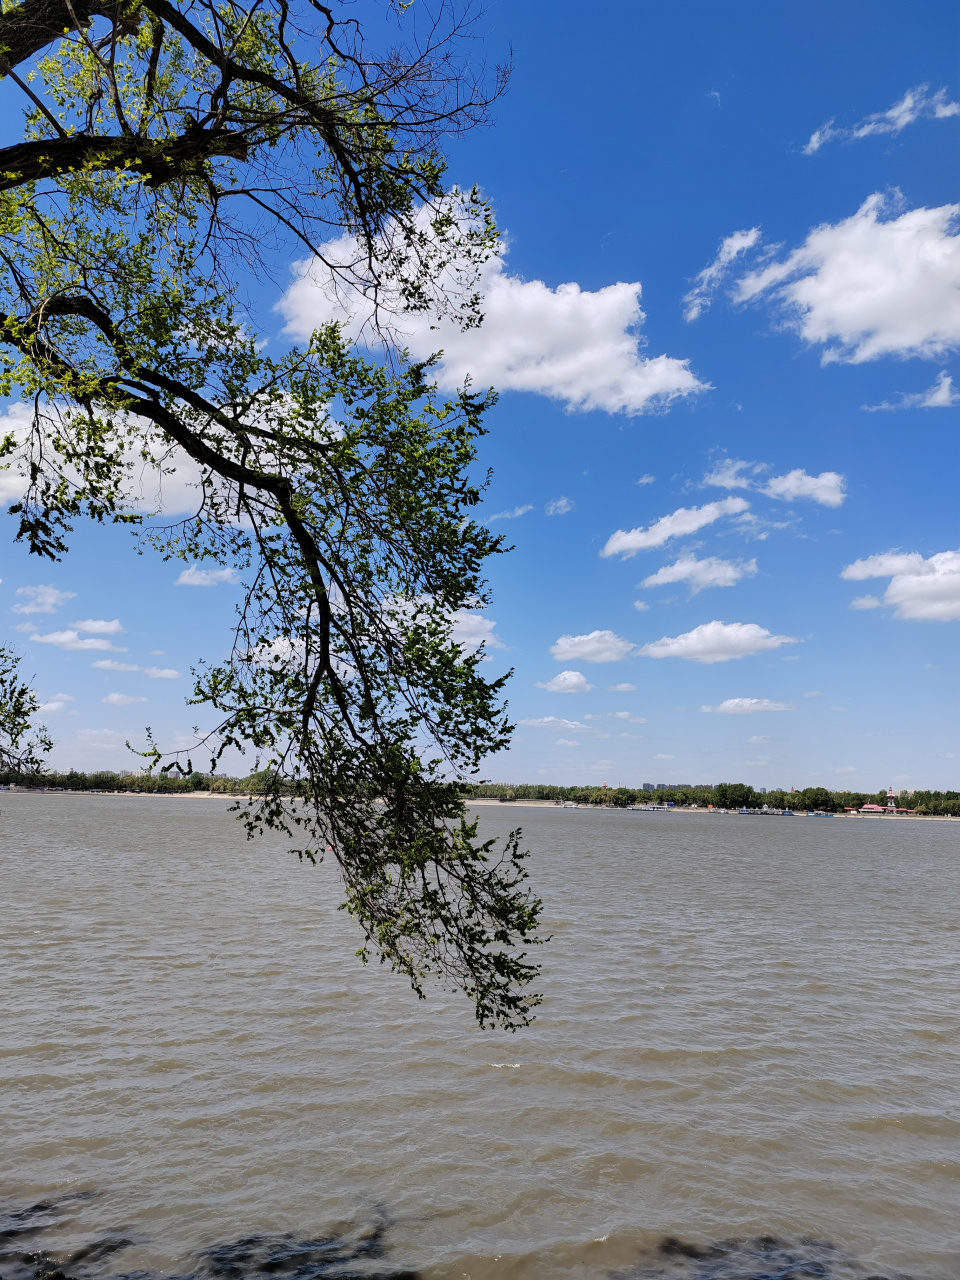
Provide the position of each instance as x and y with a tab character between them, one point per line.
749	1037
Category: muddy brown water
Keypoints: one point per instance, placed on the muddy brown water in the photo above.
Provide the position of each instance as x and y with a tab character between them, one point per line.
747	1063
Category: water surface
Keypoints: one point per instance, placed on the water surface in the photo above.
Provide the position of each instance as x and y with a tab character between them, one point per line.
751	1033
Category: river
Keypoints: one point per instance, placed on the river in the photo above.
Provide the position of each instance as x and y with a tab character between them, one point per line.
747	1062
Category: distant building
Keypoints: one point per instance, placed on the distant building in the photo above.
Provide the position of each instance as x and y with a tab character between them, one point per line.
761	791
648	786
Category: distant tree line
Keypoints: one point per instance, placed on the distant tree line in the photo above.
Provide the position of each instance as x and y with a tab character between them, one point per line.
106	780
725	795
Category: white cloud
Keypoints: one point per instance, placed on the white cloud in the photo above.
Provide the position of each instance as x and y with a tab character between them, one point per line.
645	479
865	288
510	515
728	474
641	606
56	704
915	104
42	599
169	481
716	642
98	626
866	602
919	589
471	630
664	757
746	707
553	722
567	742
685	520
559	507
567	682
940	396
155	673
708	281
573	345
100	737
120	699
828	488
623	688
596	646
194	576
70	639
758	738
700	574
628	716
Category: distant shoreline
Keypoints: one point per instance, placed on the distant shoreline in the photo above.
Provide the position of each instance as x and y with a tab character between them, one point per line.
702	812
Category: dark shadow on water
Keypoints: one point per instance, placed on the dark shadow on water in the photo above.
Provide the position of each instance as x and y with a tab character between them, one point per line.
354	1254
345	1255
759	1258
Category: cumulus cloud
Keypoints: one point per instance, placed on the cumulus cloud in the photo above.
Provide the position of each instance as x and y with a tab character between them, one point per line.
120	699
686	520
708	281
559	507
566	682
915	104
700	574
167	480
574	345
70	639
194	576
596	646
553	722
868	287
716	642
623	688
828	488
511	515
747	707
42	599
161	673
471	630
925	589
940	396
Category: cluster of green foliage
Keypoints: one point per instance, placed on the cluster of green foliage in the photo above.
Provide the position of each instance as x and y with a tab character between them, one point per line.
23	744
725	795
173	155
151	783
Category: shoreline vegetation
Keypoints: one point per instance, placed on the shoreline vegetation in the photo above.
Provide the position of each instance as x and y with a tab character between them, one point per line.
724	796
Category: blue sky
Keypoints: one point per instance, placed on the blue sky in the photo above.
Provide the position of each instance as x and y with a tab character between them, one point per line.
729	229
